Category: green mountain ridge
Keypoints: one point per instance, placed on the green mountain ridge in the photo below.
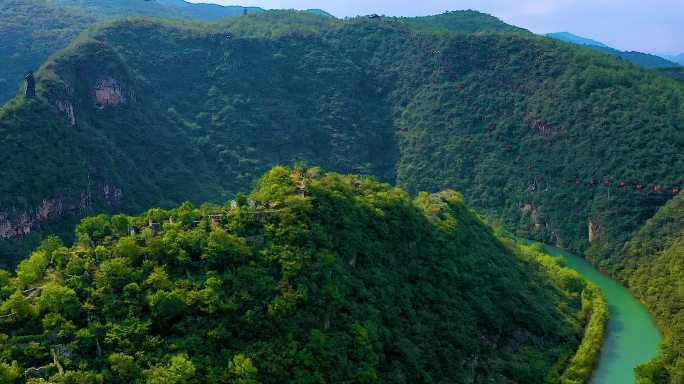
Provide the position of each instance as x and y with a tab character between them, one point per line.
155	126
679	58
312	278
32	30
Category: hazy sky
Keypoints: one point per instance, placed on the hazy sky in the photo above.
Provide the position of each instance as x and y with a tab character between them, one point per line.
647	26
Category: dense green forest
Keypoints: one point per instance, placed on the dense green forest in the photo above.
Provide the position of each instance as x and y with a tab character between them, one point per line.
312	278
673	73
154	113
32	30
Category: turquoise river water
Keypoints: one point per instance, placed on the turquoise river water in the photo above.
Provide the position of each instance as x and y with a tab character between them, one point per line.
632	336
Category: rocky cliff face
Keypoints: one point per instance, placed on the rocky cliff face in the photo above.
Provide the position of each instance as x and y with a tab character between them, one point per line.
109	92
111	194
14	223
594	231
67	109
538	218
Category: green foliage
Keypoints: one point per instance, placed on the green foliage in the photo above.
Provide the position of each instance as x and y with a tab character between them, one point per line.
315	278
9	373
242	370
179	371
579	368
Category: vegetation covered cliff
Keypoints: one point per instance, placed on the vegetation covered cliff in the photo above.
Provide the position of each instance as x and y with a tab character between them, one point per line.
312	278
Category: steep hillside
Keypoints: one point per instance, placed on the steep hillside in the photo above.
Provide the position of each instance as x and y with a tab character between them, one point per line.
652	269
151	129
645	60
154	125
313	278
31	30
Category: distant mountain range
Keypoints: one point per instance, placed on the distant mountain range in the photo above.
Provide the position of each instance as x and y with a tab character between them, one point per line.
570	38
639	58
679	59
320	12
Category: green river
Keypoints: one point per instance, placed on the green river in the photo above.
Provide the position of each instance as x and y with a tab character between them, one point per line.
632	336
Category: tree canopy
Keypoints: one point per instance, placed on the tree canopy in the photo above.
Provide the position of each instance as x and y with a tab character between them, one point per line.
313	278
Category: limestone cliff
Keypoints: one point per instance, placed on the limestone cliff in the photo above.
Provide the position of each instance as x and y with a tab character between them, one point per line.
67	109
16	223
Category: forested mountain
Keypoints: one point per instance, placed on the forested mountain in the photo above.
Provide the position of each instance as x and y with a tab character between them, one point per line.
313	278
645	60
31	30
141	113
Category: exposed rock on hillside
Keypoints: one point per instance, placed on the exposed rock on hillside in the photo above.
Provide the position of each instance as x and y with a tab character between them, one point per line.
67	109
109	92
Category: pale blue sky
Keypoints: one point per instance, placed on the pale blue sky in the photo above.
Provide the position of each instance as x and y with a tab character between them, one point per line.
647	26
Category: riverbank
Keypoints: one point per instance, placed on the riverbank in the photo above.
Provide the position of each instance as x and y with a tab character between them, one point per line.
594	311
632	336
